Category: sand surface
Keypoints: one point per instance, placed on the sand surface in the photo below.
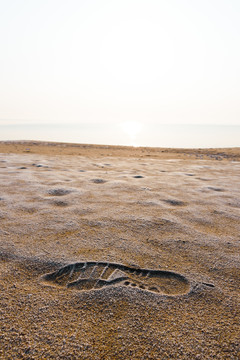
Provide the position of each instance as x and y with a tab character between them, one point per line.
152	240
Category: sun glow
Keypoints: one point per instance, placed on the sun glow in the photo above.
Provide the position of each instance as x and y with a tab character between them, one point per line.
131	129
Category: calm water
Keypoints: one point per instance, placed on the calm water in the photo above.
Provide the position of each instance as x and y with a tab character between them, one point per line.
128	134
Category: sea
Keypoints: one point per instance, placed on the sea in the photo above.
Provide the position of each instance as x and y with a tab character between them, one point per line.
127	133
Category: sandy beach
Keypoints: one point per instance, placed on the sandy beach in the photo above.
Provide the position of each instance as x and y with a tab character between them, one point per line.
112	252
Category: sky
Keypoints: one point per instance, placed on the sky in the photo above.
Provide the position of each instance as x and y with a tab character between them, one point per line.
120	62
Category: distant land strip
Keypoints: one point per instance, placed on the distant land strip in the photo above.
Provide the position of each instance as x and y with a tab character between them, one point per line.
55	148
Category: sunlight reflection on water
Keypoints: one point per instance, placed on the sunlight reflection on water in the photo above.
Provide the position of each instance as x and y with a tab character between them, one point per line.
131	133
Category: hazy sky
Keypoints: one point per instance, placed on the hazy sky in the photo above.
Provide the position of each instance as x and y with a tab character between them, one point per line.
159	61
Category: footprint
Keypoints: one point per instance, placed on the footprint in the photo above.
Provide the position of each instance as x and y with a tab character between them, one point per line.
60	203
39	165
215	188
174	202
92	275
59	192
98	181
